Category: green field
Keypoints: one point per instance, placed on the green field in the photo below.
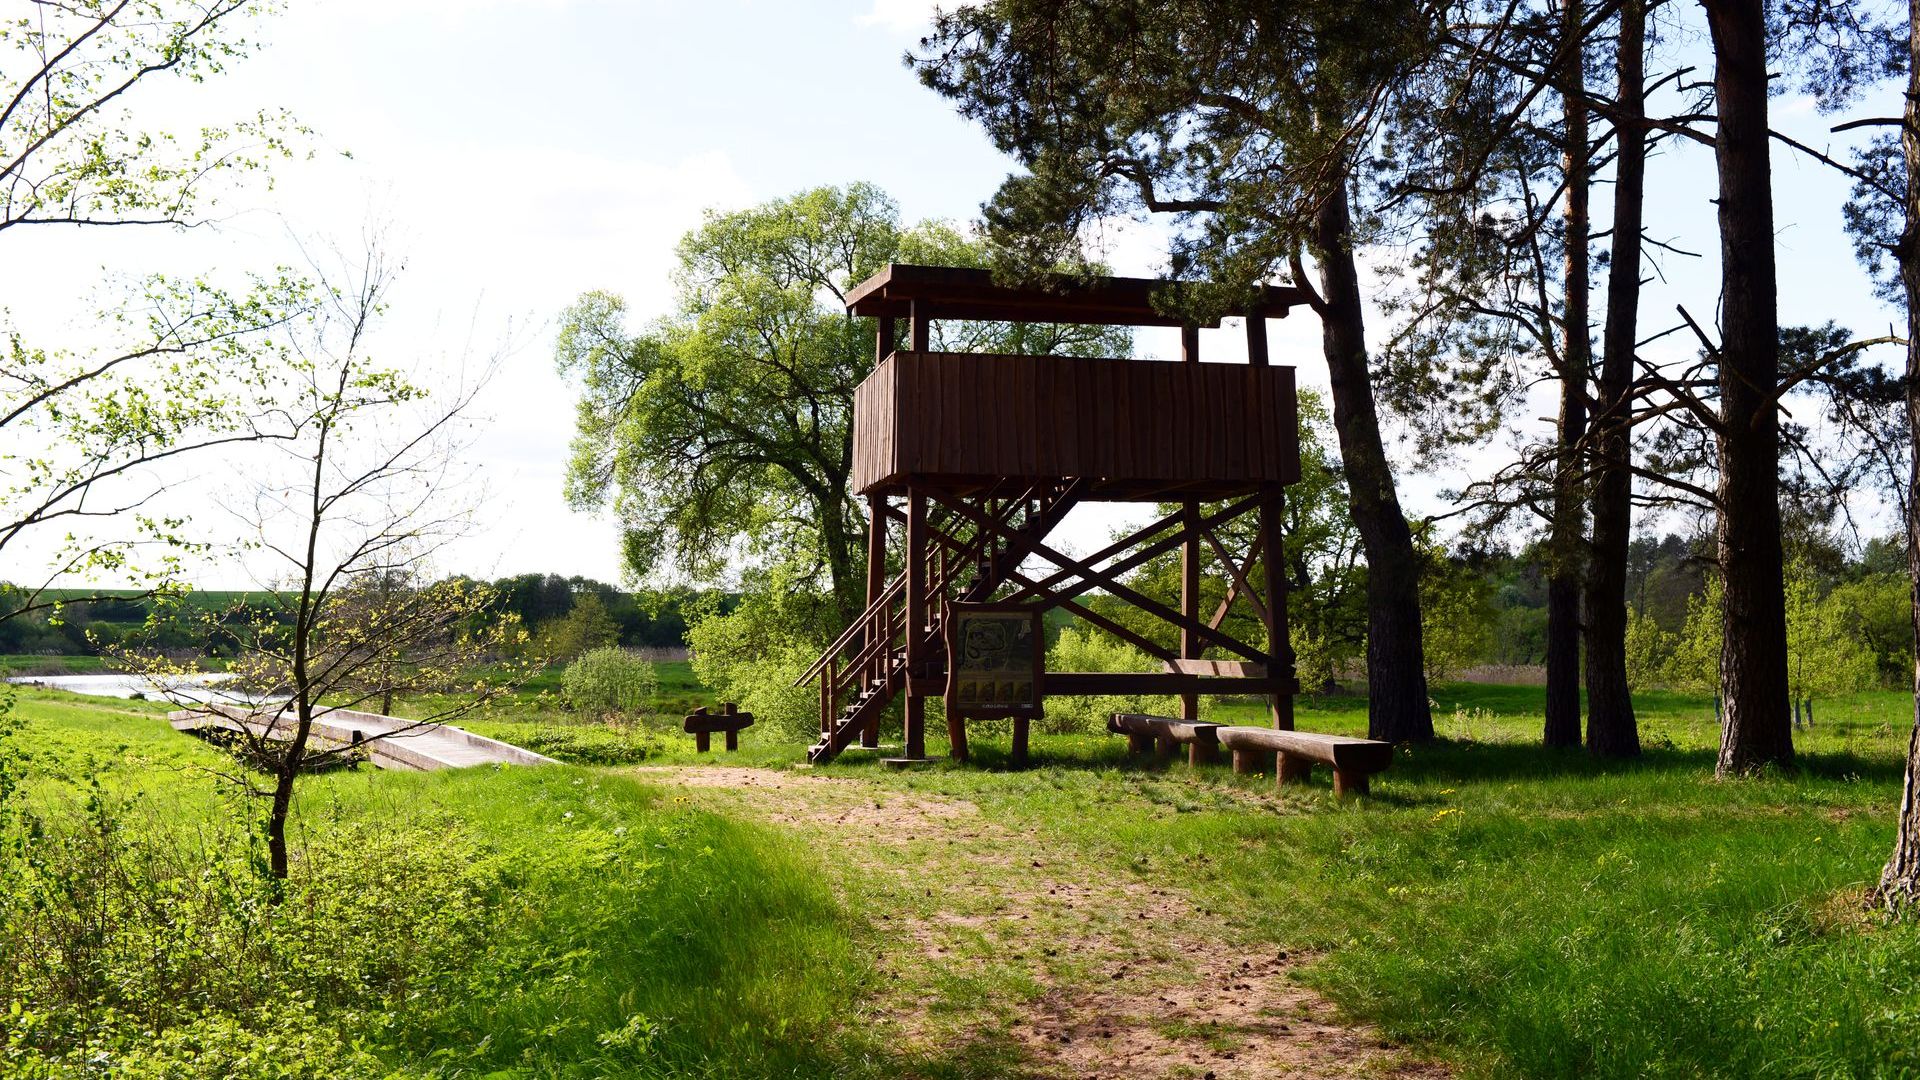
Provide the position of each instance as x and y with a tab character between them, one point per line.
1492	907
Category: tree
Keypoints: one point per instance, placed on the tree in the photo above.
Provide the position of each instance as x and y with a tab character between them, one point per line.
1884	217
1612	730
81	431
723	433
585	628
1242	123
357	500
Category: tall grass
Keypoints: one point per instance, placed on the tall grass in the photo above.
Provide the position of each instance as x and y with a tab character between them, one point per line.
513	922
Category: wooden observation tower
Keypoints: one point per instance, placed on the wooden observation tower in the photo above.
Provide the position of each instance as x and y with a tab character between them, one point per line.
977	458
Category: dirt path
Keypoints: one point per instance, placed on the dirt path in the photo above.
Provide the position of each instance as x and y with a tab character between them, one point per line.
1035	963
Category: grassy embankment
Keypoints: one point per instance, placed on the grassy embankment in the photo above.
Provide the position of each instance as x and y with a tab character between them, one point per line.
495	922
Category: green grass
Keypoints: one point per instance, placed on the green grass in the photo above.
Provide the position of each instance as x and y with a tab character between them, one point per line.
1534	913
1510	910
19	664
565	922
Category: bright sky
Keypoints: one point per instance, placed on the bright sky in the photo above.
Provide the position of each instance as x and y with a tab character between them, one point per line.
524	152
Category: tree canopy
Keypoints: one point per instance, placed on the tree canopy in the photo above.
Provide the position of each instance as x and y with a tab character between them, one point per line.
721	434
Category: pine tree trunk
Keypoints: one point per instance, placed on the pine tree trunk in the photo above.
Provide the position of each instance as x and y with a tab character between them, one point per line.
1397	707
1755	730
1899	887
1612	730
1576	360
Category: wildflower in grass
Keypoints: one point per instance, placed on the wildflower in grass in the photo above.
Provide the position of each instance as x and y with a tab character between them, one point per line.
1448	812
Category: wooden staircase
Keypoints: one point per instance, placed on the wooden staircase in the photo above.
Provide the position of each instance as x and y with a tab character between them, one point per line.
867	666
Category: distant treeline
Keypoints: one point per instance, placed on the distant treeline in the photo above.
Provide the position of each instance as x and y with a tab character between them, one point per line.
87	627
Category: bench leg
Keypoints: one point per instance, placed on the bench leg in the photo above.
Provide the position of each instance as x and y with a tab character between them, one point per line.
1249	762
1349	783
1163	750
1200	752
1020	731
1138	744
702	742
733	740
1292	769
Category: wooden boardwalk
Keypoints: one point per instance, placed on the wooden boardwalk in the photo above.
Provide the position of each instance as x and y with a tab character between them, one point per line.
429	748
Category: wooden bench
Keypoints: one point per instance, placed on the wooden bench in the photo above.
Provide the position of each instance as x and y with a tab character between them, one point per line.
1296	752
1161	734
701	724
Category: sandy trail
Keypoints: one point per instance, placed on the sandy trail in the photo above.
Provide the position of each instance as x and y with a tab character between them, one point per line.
1048	966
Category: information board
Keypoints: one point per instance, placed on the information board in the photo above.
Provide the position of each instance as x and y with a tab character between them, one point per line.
995	660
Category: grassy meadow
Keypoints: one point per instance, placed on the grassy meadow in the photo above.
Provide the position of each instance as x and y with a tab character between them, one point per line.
1497	908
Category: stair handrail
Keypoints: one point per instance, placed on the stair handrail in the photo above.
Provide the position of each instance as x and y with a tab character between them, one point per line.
1054	502
846	636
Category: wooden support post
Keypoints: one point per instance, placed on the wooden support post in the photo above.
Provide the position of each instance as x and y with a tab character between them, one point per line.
1020	726
876	580
1273	556
922	327
917	539
730	710
1291	769
1248	762
702	741
1190	344
1190	600
826	696
1163	750
1345	784
956	735
883	339
1203	752
1138	743
1257	338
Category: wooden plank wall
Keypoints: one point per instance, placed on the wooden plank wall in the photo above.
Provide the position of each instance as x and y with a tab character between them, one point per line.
972	414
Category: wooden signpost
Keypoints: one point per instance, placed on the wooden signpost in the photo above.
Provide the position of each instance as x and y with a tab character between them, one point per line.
996	668
701	724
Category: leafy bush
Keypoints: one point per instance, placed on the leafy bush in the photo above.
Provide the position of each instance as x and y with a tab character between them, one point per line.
752	655
610	683
1085	650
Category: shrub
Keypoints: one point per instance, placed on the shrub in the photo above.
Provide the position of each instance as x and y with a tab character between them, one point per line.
610	683
752	655
1084	650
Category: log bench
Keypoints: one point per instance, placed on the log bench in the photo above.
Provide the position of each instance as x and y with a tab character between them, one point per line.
1162	734
702	724
1296	752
